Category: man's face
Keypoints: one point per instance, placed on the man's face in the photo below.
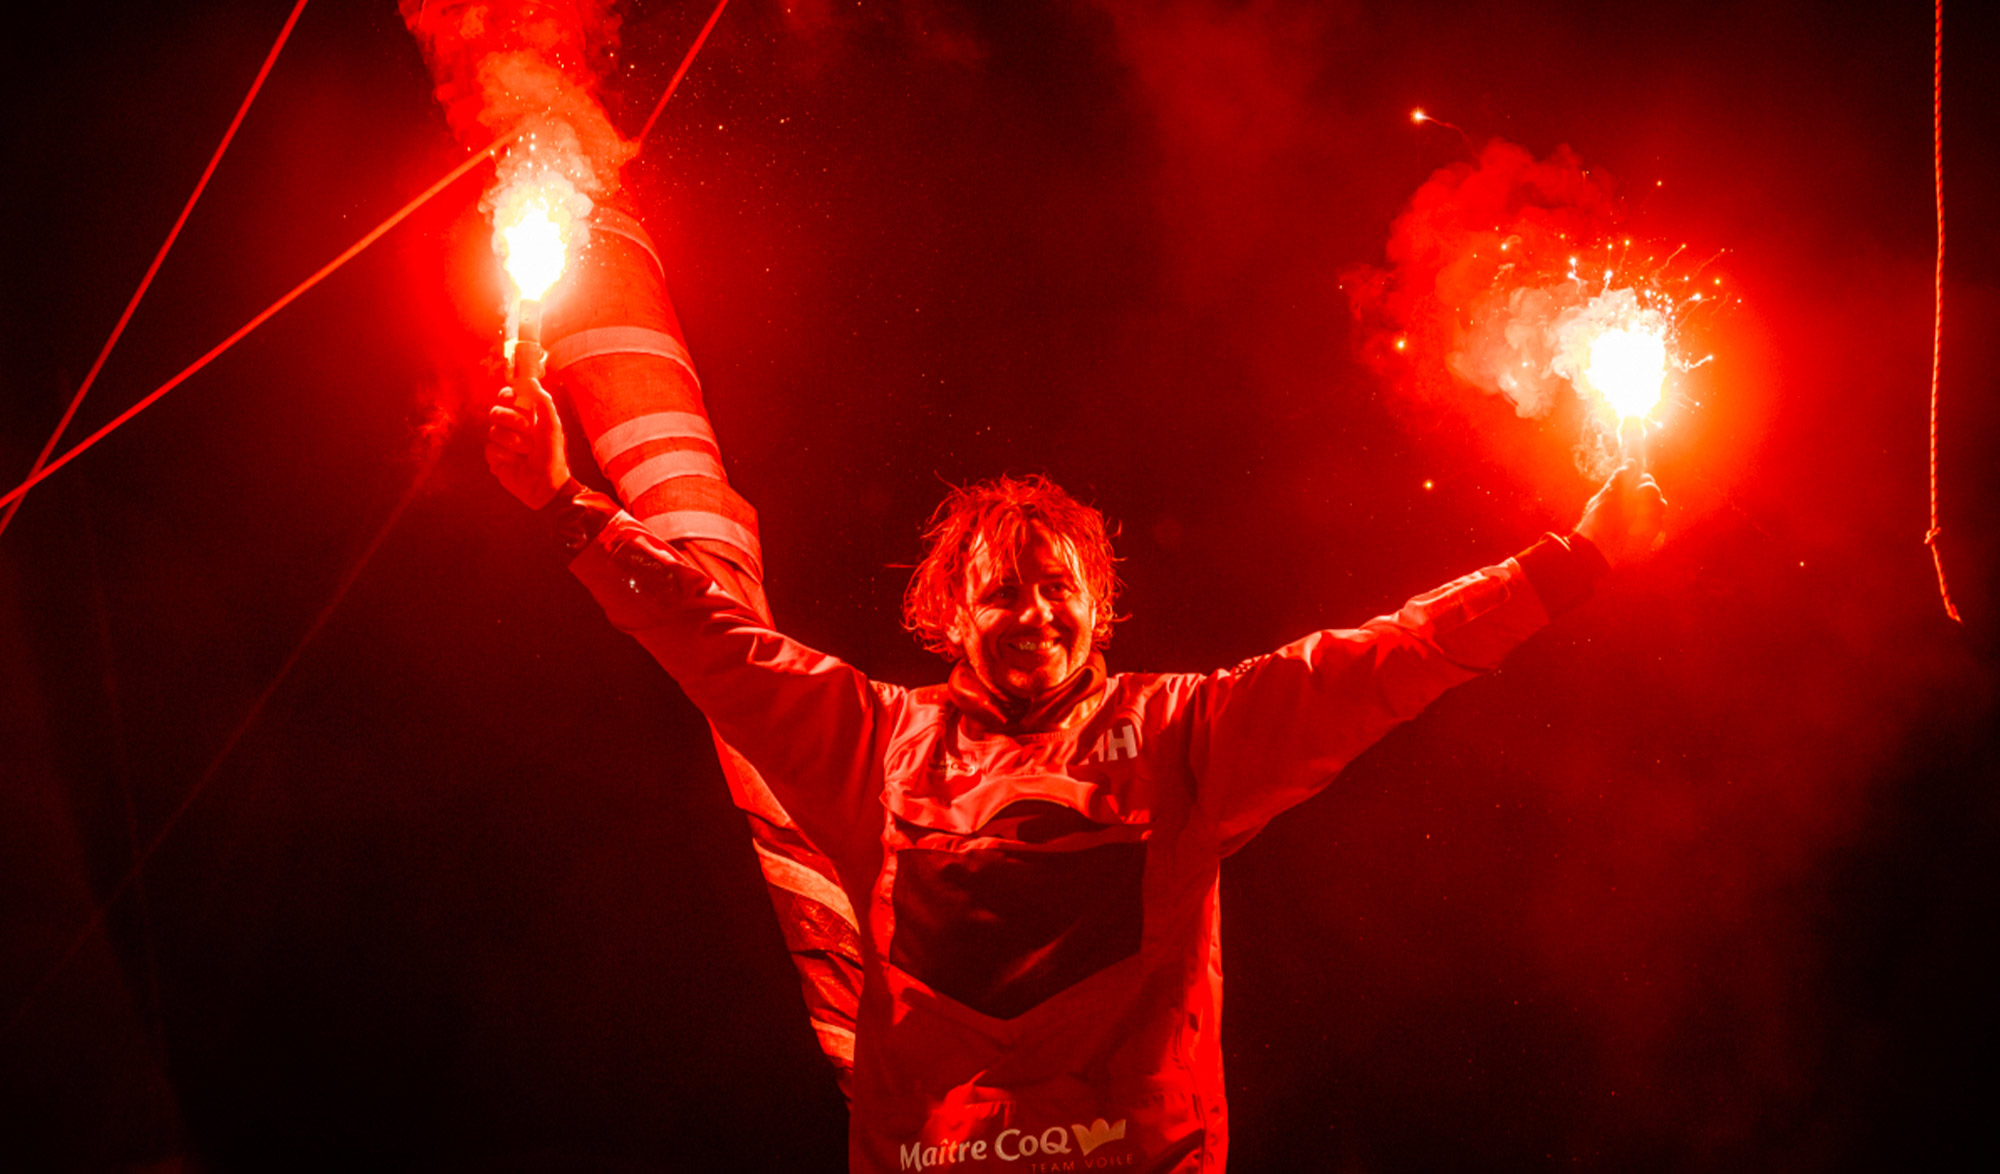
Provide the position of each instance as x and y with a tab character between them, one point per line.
1025	624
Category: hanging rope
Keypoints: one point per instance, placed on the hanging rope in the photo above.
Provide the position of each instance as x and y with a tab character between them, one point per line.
90	377
1937	293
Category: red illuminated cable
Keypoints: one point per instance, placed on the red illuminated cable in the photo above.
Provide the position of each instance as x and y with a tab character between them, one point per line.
322	274
145	855
680	73
1937	287
90	377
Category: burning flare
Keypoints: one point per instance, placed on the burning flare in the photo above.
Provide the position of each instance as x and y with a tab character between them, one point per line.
539	217
533	239
1627	368
529	70
1615	350
540	205
1508	276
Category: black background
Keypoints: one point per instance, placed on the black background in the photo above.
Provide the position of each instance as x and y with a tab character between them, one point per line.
1703	879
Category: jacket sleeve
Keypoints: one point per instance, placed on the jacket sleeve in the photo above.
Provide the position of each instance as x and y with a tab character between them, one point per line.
805	720
1272	731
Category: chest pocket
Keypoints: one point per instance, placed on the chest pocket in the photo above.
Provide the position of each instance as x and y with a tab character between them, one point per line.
1044	900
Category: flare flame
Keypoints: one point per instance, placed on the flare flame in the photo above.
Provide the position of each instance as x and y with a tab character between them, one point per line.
533	224
1509	276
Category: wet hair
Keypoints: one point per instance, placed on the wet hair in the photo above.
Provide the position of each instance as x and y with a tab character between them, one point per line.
1000	516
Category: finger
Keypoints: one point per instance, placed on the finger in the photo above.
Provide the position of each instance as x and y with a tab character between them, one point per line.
512	442
510	419
1650	515
520	401
529	398
533	392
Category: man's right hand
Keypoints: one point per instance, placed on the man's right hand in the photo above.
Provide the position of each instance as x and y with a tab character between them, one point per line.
524	444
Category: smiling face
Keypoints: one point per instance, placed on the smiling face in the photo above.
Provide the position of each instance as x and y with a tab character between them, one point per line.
1025	624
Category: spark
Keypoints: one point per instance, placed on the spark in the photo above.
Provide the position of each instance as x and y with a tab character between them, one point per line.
1419	116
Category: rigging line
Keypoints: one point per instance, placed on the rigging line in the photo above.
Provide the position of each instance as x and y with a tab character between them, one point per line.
144	856
322	274
679	73
44	471
1937	293
13	497
146	282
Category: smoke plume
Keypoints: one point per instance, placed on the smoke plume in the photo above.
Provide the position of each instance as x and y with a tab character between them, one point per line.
504	64
1499	273
529	67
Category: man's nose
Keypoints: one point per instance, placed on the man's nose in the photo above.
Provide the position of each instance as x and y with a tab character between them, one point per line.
1037	607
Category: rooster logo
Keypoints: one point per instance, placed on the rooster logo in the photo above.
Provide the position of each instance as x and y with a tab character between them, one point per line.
1097	1133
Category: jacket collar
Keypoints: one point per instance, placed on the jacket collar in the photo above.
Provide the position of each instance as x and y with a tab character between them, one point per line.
1073	700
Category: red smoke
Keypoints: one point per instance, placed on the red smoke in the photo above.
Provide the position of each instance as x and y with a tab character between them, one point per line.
502	64
1486	265
527	66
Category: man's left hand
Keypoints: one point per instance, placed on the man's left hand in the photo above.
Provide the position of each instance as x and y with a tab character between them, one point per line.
1623	521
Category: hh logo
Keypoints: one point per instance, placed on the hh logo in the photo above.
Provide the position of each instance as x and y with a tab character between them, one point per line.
1120	741
1097	1132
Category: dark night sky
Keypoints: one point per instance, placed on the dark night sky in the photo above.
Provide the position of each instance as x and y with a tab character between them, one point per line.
1704	878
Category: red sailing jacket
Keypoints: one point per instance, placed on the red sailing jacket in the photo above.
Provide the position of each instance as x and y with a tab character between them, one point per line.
1043	980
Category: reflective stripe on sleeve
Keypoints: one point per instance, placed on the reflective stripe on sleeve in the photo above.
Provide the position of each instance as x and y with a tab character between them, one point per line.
794	877
652	426
676	524
619	340
605	218
834	1039
687	462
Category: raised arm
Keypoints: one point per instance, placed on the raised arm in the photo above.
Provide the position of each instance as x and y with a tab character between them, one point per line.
805	720
1274	730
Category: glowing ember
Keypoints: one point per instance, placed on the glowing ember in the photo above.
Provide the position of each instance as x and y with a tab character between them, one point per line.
535	245
1628	368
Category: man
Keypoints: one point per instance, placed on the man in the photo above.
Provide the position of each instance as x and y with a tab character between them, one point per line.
1034	846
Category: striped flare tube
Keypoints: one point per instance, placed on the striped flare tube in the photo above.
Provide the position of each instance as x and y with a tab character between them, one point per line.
615	350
